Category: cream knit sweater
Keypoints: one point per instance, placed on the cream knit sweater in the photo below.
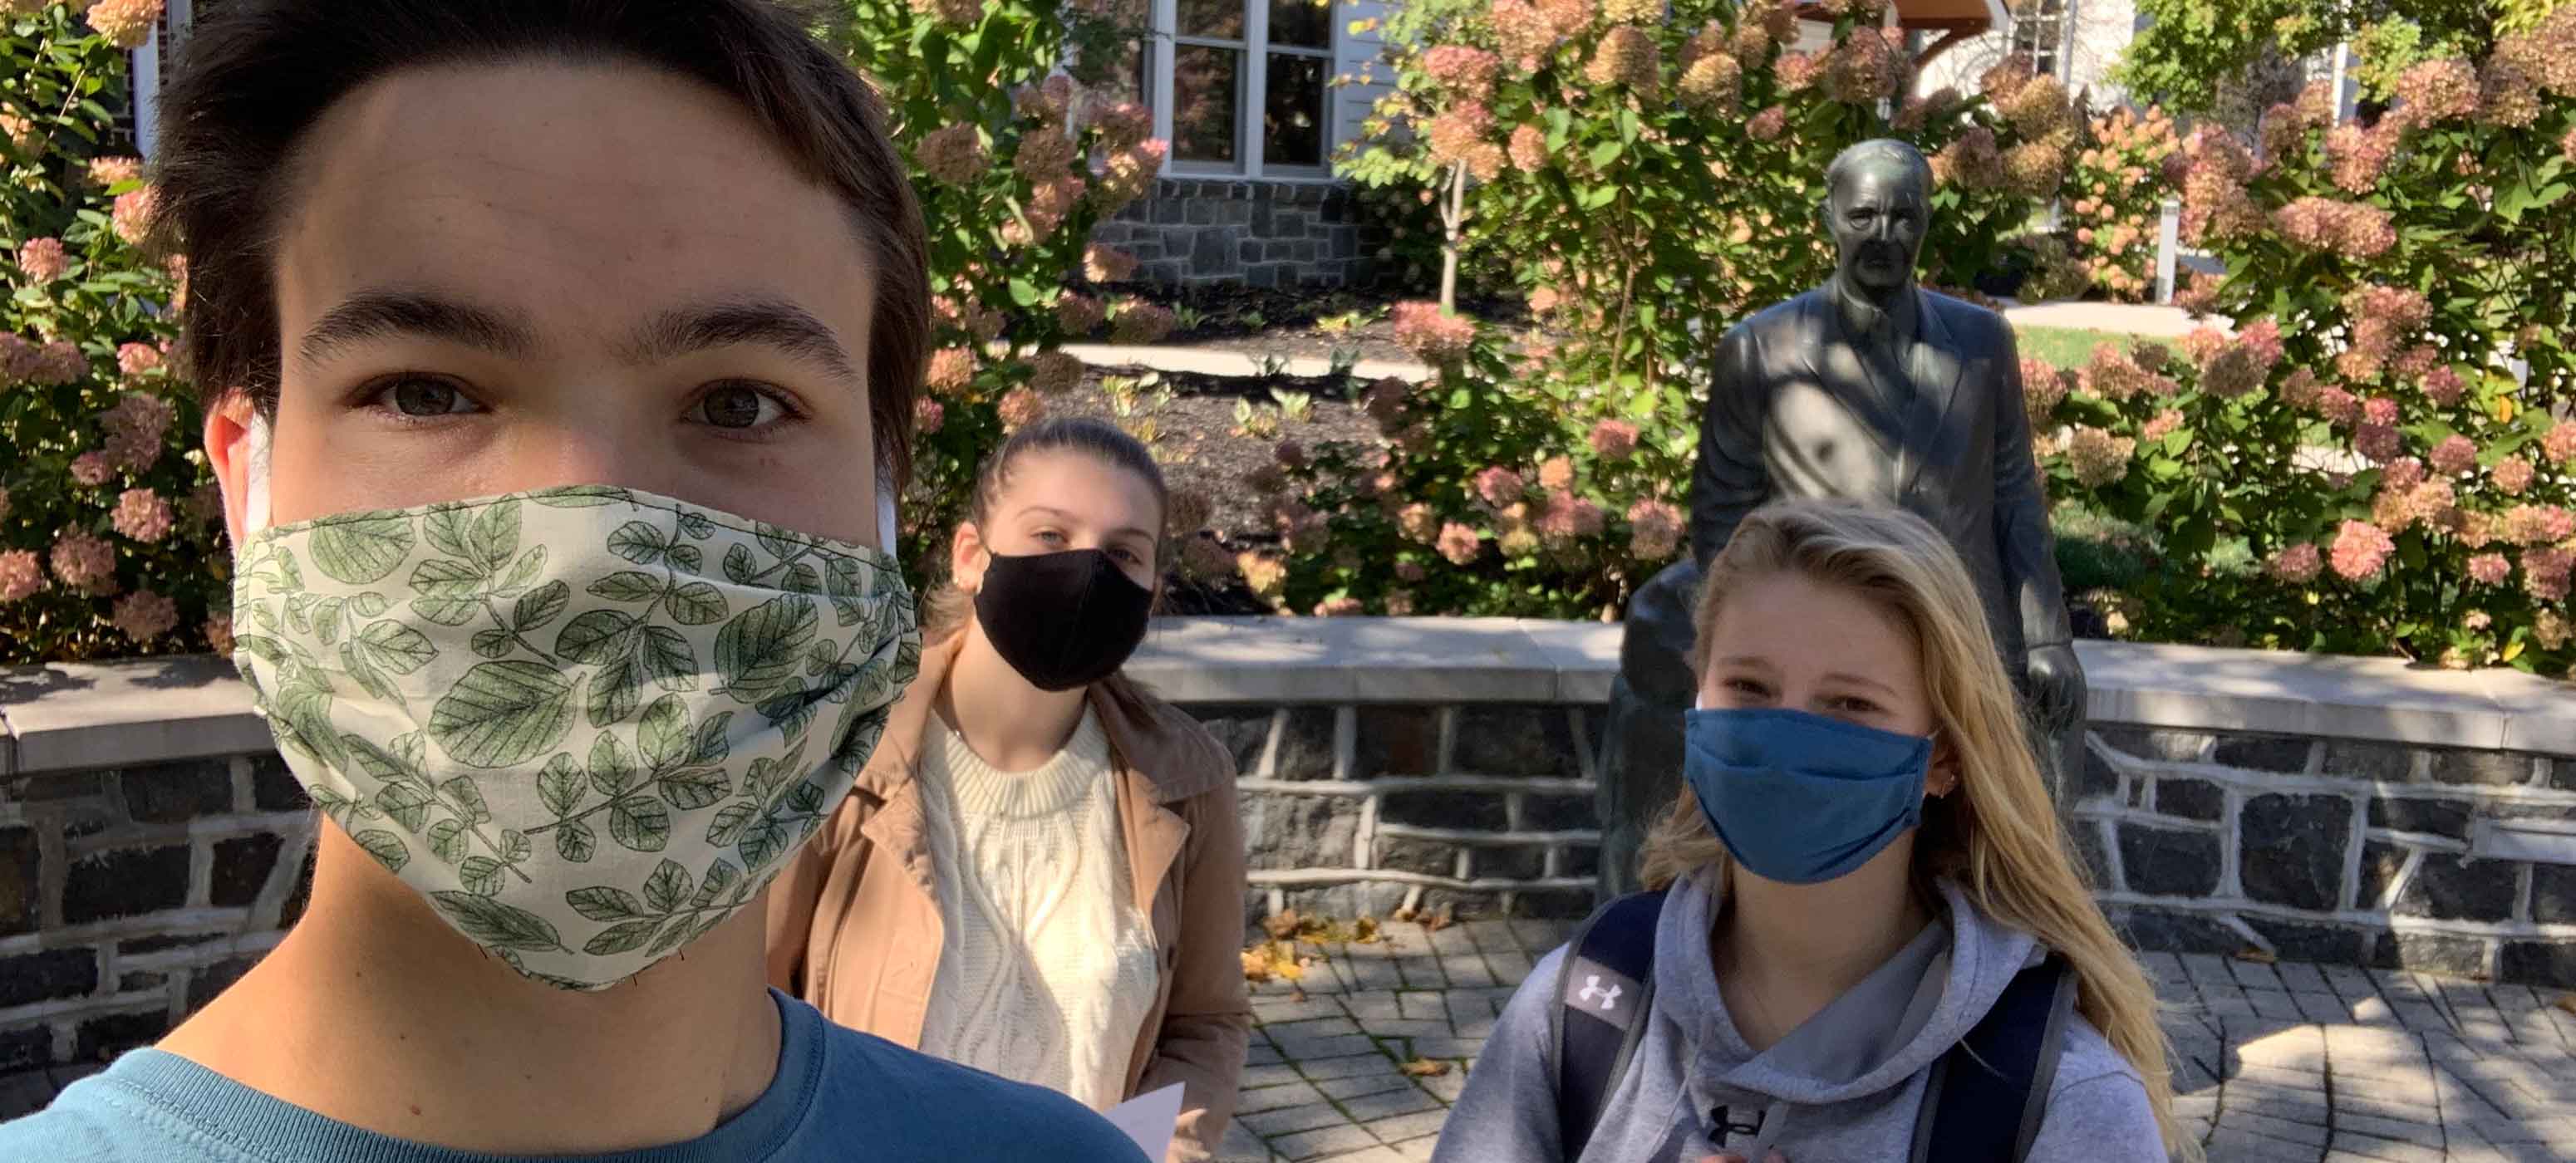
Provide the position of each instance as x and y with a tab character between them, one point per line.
1048	968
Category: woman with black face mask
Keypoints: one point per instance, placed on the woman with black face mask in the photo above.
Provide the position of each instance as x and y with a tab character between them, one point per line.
1040	871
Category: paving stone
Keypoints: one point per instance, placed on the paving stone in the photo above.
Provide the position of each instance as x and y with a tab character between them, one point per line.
1268	1010
2428	1134
1263	1077
1403	1129
1290	1120
1327	1069
1405	1029
1390	1103
1340	1139
2349	1145
1327	1046
1359	1085
2273	1003
1372	1008
2312	1134
2236	1146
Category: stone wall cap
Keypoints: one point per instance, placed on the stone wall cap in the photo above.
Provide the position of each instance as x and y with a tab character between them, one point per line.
63	717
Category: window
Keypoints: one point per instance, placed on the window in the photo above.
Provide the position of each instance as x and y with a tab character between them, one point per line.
2039	30
1249	86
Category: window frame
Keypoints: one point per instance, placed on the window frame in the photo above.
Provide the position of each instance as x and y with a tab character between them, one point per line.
1252	89
2058	18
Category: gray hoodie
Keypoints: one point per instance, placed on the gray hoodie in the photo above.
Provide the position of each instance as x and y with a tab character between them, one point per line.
1842	1088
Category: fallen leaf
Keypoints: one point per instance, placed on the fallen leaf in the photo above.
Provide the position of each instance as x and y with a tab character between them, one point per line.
1283	925
1439	920
1425	1068
1402	915
1364	930
1256	966
2257	956
2567	1002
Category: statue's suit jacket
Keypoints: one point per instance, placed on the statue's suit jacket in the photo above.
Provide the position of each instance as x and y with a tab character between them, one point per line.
1793	412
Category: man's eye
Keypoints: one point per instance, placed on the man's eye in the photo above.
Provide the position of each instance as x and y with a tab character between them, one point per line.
426	397
735	406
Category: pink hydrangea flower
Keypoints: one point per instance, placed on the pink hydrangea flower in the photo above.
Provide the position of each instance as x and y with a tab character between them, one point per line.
1499	486
1528	148
92	469
136	359
1020	408
2402	474
2560	444
1769	124
1459	543
2444	385
1104	264
131	214
1418	522
1466	72
2545	573
142	515
2378	442
1557	474
2298	564
1714	82
1614	439
2338	405
1430	334
219	633
1142	323
124	23
2512	475
2164	424
928	416
135	428
2438	90
953	154
144	616
1079	314
1626	56
107	173
2380	410
2455	455
1654	530
1053	373
21	575
2490	569
44	260
2361	550
951	369
1124	126
60	362
85	563
2098	458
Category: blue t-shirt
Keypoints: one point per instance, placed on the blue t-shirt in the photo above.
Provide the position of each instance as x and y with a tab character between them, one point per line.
839	1095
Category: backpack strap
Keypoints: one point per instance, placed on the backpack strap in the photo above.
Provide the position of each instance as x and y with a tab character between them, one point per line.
1987	1095
1604	987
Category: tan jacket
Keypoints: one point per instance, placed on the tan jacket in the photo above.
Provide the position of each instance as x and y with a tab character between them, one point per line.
855	930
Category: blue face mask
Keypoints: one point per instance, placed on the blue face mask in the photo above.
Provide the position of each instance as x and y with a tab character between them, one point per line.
1801	798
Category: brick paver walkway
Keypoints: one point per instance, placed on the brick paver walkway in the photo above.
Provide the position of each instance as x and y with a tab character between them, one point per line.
2276	1062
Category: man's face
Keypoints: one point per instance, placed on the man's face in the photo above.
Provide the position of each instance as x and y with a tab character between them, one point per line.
506	277
1877	219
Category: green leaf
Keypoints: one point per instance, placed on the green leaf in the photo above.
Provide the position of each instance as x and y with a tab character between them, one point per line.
495	535
366	674
447	611
604	902
468	799
638	542
441	578
688	557
364	549
525	572
691	788
559	785
597	636
697	526
668	659
494	642
515	846
503	713
720	876
614	691
756	653
448	840
405	801
575	842
739	568
326	619
621	938
671	937
806	799
728	825
481	876
627	585
540	605
664	734
701	603
612	766
712	744
498	925
802	578
1605	153
762	842
387	848
396	647
667	887
640	823
370	604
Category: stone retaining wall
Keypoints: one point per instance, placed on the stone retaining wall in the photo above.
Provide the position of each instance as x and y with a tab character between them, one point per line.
2324	809
1264	234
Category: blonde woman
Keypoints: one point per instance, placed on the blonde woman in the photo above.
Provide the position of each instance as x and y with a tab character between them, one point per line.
1040	872
1863	874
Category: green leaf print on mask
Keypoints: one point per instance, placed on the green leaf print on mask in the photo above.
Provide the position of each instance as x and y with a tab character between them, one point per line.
363	550
503	713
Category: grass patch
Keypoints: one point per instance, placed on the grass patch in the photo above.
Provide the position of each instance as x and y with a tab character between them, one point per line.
2065	346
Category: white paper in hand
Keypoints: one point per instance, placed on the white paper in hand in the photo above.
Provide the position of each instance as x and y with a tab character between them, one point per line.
1150	1119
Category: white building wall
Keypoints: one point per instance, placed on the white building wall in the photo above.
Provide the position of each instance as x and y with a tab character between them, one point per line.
2100	31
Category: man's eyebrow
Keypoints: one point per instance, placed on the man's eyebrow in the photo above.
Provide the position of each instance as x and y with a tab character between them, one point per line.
385	313
766	322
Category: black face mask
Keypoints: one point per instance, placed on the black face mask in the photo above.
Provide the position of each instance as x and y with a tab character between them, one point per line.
1062	620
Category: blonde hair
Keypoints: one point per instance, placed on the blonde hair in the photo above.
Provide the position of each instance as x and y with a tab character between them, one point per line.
1997	837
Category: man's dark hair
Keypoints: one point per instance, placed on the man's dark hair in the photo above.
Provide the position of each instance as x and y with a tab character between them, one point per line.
255	75
1879	149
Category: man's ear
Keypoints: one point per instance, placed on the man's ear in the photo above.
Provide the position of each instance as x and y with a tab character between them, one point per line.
228	449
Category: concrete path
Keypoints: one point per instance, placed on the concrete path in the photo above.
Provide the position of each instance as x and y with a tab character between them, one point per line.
2275	1062
2123	318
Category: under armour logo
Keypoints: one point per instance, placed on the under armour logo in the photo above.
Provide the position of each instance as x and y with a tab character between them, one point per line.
1592	989
1722	1127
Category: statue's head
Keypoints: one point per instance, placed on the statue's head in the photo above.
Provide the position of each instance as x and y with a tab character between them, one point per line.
1878	204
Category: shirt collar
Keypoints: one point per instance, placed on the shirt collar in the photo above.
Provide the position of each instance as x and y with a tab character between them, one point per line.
1864	318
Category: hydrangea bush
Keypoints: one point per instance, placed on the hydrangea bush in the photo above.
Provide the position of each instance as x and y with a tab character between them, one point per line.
2377	460
110	529
1543	474
1015	159
2113	203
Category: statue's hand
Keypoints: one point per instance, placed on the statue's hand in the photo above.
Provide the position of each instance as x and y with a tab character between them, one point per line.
2056	684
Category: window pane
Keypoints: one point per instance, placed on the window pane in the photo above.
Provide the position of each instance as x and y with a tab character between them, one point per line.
1292	127
1214	19
1302	23
1206	84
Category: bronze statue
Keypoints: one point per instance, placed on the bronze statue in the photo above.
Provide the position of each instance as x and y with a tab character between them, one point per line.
1873	389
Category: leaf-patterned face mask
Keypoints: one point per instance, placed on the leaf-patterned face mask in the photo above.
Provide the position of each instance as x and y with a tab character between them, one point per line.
588	723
